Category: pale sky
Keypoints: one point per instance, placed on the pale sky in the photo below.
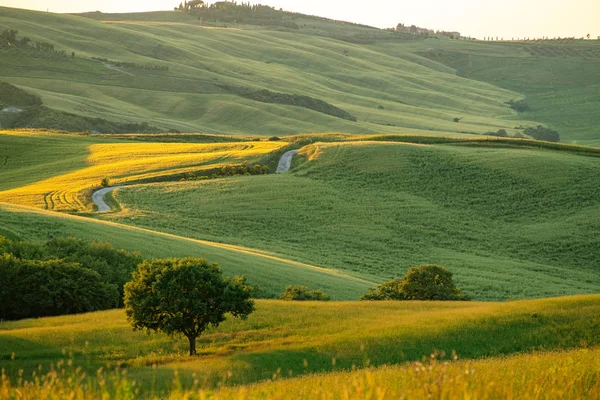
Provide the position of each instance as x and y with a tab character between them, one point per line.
477	18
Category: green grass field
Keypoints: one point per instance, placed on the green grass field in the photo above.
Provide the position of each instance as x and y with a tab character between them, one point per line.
391	86
510	222
300	338
269	272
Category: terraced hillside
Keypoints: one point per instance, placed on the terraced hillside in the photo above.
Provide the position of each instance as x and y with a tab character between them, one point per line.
510	222
300	338
211	79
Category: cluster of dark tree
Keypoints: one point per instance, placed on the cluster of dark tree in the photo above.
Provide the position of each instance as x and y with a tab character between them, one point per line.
228	170
542	133
9	40
520	106
130	65
425	282
266	96
303	293
244	13
61	276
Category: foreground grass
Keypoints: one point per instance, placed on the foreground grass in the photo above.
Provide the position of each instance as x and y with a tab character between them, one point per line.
290	339
121	163
508	221
571	374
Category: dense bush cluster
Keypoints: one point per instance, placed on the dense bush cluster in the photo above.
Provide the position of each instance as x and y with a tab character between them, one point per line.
266	96
542	133
425	282
9	40
229	12
303	293
519	106
34	288
61	276
130	65
228	170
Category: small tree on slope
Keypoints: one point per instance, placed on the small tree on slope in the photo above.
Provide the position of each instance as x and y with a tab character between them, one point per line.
184	296
425	282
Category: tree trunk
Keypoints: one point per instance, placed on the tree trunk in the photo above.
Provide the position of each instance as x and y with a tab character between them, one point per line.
192	345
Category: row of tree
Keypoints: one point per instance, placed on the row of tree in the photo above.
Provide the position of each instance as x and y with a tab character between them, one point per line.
244	13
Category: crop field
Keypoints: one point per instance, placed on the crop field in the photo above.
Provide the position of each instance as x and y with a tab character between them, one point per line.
300	338
119	162
510	222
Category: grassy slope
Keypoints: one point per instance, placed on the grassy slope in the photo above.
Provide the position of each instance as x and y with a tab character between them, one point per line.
417	95
509	222
87	160
265	270
561	81
305	337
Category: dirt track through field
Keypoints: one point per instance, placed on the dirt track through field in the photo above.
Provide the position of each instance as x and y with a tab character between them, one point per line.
98	198
285	162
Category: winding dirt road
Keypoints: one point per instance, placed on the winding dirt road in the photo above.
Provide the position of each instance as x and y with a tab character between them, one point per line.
285	162
98	198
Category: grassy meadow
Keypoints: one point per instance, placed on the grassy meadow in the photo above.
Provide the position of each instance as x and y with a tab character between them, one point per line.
288	339
509	222
390	84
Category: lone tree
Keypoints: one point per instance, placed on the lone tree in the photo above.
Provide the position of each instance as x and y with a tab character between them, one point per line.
425	282
184	296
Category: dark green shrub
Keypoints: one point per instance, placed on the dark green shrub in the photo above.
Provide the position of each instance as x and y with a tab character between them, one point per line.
33	288
542	133
114	266
425	282
105	182
520	106
303	293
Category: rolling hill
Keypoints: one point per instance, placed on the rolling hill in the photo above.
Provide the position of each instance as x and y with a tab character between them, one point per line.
208	79
510	222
